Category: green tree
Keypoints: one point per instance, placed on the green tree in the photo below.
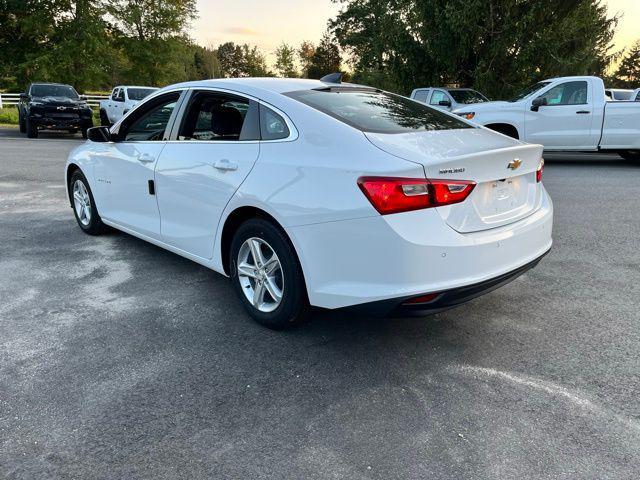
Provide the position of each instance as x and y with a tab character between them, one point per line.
326	58
496	46
285	61
305	55
628	73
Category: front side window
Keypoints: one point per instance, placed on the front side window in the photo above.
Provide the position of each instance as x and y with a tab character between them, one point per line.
638	97
272	125
44	90
377	112
214	116
120	97
568	93
437	97
151	122
114	95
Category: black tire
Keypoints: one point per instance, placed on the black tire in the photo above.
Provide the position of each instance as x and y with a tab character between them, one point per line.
104	119
32	130
631	155
72	131
23	127
84	132
294	306
95	225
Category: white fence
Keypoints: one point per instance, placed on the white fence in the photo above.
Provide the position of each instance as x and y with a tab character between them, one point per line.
11	99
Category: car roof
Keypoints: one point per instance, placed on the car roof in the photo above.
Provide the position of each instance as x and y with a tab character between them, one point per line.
268	84
135	86
51	83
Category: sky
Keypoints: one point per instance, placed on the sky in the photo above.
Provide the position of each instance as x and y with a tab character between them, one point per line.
267	23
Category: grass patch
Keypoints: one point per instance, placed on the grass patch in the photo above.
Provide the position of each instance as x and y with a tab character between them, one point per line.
9	116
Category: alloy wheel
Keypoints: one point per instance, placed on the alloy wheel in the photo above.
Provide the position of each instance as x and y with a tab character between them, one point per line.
82	203
260	274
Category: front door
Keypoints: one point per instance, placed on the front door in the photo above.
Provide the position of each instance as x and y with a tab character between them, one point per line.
125	168
215	147
565	122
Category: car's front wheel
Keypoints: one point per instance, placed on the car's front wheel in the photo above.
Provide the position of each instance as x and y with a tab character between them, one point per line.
84	206
267	276
32	130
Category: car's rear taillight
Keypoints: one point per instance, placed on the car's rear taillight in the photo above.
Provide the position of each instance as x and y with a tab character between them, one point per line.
394	195
539	171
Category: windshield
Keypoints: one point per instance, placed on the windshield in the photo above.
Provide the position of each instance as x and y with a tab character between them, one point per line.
139	93
66	91
377	112
529	90
467	96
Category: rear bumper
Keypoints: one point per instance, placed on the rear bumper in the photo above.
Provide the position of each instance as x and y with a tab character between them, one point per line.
444	300
396	257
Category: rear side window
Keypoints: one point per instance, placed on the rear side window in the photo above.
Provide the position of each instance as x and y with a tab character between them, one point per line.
377	112
272	125
213	116
421	96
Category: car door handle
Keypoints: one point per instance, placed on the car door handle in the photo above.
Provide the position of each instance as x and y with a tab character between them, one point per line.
146	158
583	112
225	165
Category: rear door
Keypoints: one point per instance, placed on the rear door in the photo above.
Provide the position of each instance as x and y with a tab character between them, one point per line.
213	148
566	122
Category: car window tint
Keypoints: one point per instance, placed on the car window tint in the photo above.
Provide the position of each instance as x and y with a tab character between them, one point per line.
152	124
114	95
120	96
377	112
272	125
568	93
437	97
214	117
638	97
421	96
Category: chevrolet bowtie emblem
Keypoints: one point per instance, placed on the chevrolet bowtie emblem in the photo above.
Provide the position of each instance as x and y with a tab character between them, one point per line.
514	164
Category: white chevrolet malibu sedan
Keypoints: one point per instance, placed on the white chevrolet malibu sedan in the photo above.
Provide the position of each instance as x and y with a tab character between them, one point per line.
318	193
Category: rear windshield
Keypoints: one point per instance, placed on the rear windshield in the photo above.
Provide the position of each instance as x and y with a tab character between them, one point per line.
377	112
66	91
467	97
139	93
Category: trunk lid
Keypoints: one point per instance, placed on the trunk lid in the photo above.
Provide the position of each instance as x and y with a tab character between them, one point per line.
503	168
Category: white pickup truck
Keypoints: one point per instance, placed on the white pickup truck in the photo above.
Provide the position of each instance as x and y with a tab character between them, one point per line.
121	100
568	113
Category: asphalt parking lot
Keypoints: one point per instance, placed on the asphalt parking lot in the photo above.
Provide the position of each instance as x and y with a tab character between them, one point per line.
121	360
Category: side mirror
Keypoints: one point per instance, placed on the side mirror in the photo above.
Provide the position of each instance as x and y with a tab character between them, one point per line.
99	134
445	103
537	103
25	97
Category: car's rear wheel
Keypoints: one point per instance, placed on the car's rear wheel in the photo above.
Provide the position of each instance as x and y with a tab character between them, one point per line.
32	130
84	206
267	276
633	155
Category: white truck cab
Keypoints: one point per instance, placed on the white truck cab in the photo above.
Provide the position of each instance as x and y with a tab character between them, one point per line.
564	114
121	100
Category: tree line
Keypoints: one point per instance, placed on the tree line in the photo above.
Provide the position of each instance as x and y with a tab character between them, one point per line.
95	44
496	46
